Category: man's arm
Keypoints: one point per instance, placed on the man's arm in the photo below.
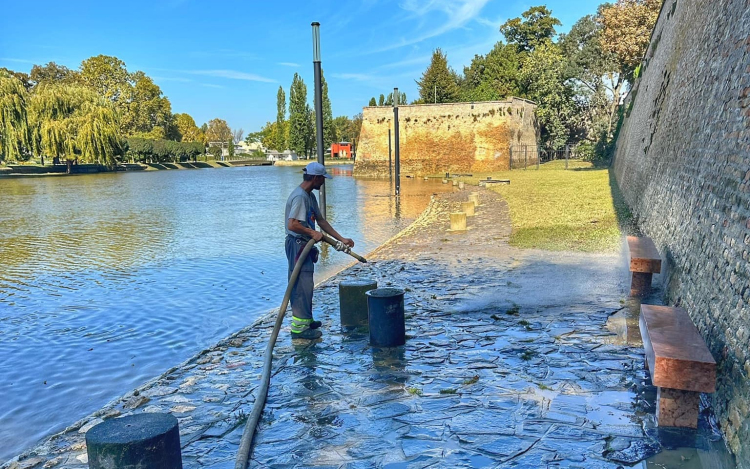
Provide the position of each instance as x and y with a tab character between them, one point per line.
329	229
294	225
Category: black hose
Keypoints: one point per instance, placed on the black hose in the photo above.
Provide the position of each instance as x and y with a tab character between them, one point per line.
243	453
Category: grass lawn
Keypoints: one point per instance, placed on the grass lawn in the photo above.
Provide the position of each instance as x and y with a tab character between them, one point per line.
557	209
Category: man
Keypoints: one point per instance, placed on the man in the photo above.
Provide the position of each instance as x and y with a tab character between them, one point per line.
301	213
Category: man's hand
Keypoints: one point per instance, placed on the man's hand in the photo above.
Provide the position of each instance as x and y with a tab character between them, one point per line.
317	236
349	242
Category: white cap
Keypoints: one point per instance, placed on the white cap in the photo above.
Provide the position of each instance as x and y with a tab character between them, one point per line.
316	169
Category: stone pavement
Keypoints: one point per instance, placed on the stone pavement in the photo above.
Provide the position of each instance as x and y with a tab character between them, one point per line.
508	363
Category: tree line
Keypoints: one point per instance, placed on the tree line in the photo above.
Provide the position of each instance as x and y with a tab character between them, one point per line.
296	130
577	80
99	113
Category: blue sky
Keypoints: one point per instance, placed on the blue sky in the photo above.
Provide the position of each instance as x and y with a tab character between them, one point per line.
227	59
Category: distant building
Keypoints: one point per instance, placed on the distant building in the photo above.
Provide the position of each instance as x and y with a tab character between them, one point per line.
244	147
341	150
286	155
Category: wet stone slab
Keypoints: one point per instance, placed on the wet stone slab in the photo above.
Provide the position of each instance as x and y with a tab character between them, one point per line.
503	367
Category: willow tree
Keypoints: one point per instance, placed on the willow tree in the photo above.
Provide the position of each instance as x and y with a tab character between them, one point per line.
14	127
74	123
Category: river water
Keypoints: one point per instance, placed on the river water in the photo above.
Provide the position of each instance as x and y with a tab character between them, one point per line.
109	280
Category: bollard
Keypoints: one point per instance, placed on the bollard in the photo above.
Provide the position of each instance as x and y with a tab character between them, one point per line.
445	181
385	307
455	183
468	208
474	198
135	441
426	178
461	185
353	301
458	221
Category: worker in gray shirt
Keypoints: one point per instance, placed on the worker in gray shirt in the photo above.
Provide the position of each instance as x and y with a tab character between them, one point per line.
301	213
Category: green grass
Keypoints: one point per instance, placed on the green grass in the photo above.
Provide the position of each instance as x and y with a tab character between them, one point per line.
562	210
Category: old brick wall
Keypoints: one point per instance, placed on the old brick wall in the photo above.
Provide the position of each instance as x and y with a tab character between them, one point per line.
683	164
438	138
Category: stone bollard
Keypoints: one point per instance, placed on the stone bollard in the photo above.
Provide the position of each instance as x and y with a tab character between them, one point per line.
455	183
385	310
426	178
458	221
353	301
474	198
468	208
135	441
445	181
461	185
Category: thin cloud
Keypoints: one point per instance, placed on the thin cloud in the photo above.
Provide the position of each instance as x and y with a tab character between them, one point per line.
209	85
181	80
231	74
457	15
288	64
20	61
353	76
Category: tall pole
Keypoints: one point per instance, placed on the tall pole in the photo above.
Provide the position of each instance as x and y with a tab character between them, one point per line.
395	142
390	165
319	109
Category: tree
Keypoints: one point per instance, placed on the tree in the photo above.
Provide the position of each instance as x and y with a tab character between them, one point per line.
543	81
299	116
140	149
626	30
381	100
356	128
237	135
596	77
536	27
189	132
14	125
373	102
52	73
329	131
279	142
73	122
20	76
493	76
108	76
438	83
402	98
218	131
146	109
230	145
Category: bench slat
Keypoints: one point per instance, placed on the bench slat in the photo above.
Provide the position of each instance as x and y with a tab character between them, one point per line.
677	355
644	257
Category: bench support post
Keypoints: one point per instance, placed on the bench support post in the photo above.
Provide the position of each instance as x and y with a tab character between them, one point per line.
641	283
676	408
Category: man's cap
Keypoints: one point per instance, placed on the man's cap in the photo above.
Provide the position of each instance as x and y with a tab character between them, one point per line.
316	169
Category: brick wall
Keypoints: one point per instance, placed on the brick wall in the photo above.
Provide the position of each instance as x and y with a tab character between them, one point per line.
439	138
683	164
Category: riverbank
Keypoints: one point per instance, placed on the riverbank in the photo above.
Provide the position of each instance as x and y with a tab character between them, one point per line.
27	170
508	360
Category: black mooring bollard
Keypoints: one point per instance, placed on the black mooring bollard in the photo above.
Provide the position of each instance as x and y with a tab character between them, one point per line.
385	307
353	301
148	440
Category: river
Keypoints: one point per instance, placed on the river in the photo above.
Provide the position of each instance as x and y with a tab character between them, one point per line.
108	280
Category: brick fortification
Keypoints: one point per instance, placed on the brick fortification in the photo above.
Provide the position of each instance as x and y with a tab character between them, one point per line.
683	164
439	138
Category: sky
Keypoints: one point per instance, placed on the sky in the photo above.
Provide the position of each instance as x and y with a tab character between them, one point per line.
226	59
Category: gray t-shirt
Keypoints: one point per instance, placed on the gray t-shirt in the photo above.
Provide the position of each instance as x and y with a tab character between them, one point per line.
301	206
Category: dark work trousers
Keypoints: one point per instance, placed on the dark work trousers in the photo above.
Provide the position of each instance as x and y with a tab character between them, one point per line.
302	292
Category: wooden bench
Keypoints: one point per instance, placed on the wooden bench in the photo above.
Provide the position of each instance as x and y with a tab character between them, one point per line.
644	262
680	364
